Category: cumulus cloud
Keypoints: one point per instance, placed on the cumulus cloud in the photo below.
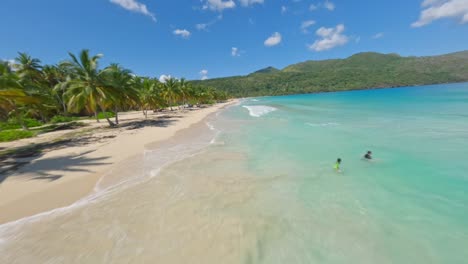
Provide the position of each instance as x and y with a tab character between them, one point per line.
329	5
163	78
439	9
330	38
306	24
273	40
134	6
205	26
201	26
182	32
218	5
250	2
378	35
235	52
313	7
284	9
203	74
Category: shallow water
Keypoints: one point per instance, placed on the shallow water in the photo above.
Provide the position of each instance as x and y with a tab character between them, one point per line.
264	191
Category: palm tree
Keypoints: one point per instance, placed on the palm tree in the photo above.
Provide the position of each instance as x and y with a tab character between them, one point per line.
28	68
55	77
169	91
120	81
150	97
87	88
13	98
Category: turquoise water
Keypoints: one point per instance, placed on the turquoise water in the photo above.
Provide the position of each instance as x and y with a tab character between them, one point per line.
409	205
256	185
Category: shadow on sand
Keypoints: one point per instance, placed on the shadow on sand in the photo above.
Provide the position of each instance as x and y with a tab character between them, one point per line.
43	169
15	159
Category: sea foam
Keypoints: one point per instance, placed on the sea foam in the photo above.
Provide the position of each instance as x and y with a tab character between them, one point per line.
322	124
259	110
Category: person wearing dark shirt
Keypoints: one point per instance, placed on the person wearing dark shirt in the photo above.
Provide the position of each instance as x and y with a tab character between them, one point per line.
368	155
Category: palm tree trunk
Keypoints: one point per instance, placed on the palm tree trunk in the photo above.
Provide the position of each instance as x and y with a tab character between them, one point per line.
116	115
20	119
96	116
111	124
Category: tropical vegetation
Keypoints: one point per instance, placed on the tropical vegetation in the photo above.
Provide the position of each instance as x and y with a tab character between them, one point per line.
361	71
33	94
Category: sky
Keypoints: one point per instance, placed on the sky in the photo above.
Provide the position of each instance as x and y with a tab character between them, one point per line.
200	39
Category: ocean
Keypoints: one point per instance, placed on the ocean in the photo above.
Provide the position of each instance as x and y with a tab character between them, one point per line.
255	184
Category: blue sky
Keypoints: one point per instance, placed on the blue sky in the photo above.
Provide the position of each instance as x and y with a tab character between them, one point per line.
195	38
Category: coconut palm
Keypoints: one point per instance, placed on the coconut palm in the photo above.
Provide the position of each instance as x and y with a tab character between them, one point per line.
87	88
28	68
150	95
13	98
124	93
169	91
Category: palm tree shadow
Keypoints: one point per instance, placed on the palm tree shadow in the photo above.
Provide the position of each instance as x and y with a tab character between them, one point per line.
52	169
160	122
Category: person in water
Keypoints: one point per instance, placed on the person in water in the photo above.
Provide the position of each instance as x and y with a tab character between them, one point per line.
368	155
337	165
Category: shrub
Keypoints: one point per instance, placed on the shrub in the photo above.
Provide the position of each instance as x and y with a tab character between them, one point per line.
10	135
30	122
62	119
13	123
109	115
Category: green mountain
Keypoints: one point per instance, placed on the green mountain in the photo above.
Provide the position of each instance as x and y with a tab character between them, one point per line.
267	70
366	70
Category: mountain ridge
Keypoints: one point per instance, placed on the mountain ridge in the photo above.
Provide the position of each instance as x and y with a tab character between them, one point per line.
363	70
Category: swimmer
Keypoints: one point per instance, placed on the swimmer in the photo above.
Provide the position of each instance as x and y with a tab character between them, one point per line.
337	165
368	155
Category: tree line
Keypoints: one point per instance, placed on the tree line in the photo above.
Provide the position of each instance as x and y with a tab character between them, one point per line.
78	86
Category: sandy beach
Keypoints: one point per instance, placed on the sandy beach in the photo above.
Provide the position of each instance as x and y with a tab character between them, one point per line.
62	175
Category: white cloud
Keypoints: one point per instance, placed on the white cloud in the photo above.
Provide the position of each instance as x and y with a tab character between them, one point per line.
201	26
203	74
330	38
10	61
250	2
284	9
329	5
163	78
235	52
218	5
439	9
378	35
182	32
134	6
306	24
204	26
274	40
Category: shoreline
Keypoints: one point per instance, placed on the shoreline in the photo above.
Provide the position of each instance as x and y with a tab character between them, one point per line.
61	177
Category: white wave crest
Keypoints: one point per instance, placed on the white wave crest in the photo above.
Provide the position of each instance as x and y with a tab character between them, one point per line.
259	110
322	124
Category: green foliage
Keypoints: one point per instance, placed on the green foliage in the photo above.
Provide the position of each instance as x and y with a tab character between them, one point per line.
13	123
360	71
10	135
102	115
62	119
